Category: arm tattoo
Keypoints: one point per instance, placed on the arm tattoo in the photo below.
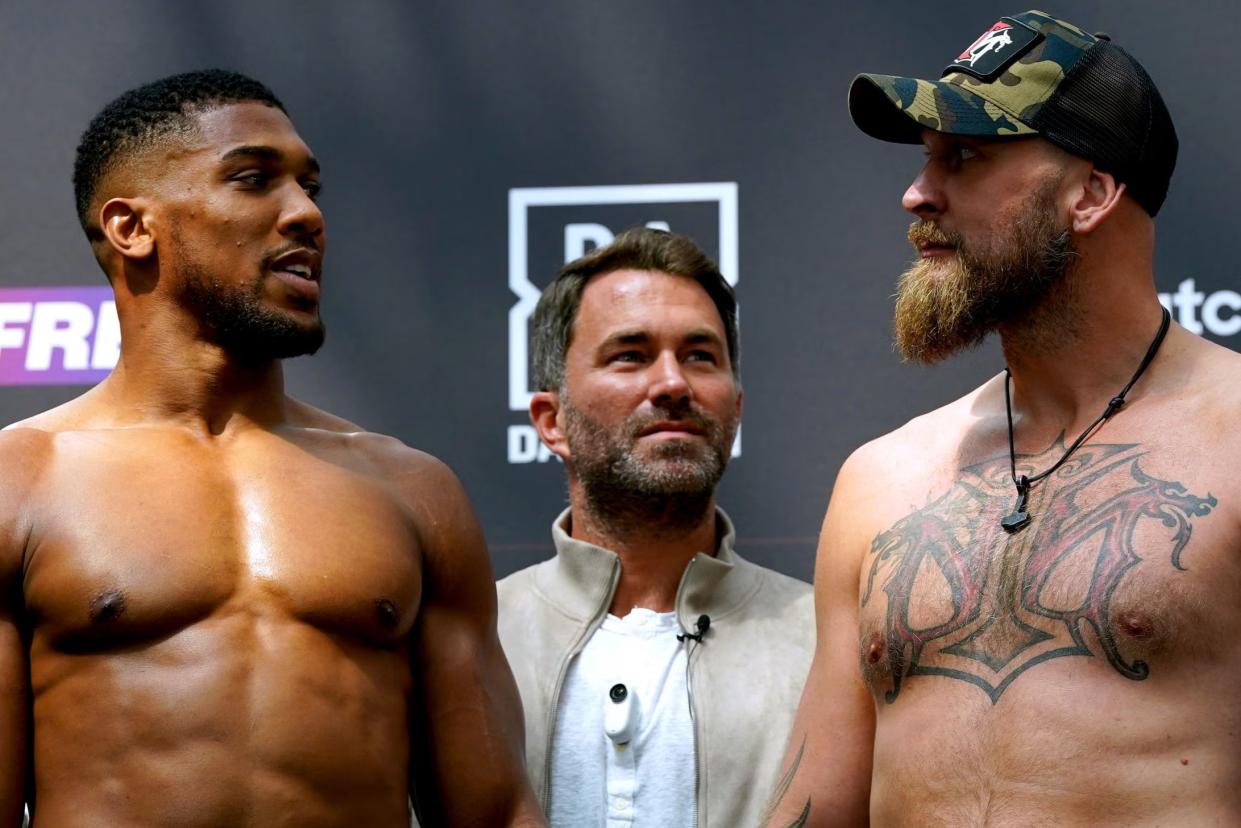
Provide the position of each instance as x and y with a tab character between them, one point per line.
801	819
782	788
1001	620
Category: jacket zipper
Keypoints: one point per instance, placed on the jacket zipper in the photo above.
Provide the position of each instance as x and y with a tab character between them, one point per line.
559	685
697	772
693	714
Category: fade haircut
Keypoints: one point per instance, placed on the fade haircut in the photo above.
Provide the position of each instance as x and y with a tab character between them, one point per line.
639	248
141	117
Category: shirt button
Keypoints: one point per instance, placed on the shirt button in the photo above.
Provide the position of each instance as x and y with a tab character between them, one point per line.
620	803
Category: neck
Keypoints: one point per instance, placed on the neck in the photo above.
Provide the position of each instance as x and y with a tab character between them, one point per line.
1081	345
166	374
654	548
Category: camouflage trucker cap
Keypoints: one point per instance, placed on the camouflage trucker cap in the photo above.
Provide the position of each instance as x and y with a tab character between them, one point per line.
1031	74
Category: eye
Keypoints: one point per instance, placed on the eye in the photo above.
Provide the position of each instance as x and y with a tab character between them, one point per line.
313	188
702	356
952	154
253	178
626	356
958	152
965	152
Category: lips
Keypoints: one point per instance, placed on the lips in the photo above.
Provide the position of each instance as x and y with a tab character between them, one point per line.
301	263
672	427
931	240
928	251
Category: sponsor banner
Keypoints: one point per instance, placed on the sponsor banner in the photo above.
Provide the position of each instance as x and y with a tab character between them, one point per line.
57	335
549	226
1216	314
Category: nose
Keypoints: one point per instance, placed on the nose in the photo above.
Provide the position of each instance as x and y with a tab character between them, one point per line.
668	383
301	216
925	196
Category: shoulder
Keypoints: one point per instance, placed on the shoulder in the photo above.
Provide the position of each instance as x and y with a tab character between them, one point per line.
527	590
24	452
304	415
427	489
1209	375
80	413
794	588
773	626
786	594
927	443
414	473
523	603
775	584
791	598
886	478
519	583
24	455
409	468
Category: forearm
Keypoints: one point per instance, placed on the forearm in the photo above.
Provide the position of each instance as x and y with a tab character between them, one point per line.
528	814
825	778
472	756
825	783
784	811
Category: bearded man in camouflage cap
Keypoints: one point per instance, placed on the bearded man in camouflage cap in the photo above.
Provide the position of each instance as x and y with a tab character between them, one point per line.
1028	599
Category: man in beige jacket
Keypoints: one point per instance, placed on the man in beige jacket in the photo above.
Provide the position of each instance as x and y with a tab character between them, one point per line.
659	671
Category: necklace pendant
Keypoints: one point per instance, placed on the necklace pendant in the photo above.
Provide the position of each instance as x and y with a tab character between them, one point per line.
1015	521
1018	518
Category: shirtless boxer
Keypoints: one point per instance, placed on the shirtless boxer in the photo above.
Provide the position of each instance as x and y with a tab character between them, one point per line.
1001	645
223	607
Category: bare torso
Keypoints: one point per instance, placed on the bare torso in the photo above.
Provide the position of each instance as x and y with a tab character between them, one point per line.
219	626
1083	671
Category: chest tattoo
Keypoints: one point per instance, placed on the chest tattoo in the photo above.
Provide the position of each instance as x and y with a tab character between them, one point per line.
968	601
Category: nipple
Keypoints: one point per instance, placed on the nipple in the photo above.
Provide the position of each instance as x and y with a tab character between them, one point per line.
1135	624
107	606
874	652
388	615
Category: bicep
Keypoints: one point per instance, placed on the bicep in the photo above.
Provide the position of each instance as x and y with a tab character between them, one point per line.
467	723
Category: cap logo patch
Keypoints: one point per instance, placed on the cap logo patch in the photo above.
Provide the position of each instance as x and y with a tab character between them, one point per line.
996	49
992	40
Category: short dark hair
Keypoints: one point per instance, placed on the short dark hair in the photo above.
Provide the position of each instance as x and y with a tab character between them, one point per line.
639	248
140	117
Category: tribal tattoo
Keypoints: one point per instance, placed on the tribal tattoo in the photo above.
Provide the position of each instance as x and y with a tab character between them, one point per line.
1008	611
782	788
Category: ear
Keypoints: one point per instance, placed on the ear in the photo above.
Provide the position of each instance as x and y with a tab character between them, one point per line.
126	226
1096	201
545	415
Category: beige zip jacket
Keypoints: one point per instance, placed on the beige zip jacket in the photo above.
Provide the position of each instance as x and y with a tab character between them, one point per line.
745	677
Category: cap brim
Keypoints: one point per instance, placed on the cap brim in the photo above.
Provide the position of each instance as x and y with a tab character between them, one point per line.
897	109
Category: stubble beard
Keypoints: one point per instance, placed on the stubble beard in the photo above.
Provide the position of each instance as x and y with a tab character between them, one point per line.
632	488
1023	281
235	317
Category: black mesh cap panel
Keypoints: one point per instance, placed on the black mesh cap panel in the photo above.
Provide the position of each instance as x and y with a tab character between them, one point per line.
1108	110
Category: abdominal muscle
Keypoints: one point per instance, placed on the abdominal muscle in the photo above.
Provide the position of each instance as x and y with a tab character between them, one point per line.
1068	745
236	720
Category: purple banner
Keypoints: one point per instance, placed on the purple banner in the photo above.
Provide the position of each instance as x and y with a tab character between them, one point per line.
57	335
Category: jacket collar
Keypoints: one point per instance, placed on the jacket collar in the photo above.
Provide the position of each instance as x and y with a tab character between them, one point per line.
583	576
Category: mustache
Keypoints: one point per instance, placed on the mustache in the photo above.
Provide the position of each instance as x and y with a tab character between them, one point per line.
923	232
685	412
306	242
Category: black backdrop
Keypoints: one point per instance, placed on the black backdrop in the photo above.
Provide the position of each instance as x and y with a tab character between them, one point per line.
441	124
